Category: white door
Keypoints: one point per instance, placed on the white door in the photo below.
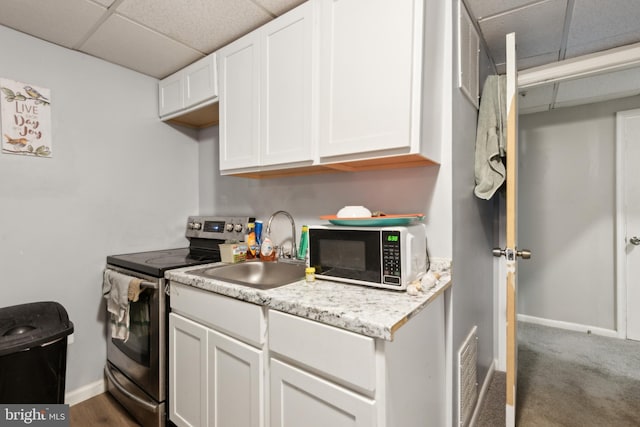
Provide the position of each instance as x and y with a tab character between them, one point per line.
301	399
235	383
511	232
288	50
629	156
187	372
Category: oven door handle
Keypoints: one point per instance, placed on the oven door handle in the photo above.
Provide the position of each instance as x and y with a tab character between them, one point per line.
147	405
148	285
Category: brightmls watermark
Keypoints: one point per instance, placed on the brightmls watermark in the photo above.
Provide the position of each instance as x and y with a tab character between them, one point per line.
34	415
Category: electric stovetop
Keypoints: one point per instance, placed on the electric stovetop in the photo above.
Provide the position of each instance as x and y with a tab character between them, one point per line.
155	263
204	233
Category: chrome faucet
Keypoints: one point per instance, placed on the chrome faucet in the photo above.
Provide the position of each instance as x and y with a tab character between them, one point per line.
294	251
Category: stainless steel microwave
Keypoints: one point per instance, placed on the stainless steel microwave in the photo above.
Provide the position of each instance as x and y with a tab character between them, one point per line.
384	257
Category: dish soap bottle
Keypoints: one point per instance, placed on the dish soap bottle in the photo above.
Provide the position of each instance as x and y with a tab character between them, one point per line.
267	251
304	243
250	239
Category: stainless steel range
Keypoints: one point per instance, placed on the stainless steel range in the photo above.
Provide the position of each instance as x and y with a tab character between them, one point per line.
136	368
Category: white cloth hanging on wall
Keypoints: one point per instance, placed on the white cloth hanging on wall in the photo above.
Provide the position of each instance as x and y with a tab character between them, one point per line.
490	138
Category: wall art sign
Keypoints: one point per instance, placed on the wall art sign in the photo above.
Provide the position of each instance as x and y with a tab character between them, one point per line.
26	119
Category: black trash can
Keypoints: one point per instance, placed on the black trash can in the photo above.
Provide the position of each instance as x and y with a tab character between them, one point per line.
33	352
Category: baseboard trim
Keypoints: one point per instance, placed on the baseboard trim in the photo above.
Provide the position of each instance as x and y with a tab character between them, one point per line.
483	393
569	326
85	392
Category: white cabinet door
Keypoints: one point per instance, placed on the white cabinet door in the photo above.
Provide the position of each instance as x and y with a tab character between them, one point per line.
235	383
187	372
171	94
301	399
200	83
287	91
369	75
239	80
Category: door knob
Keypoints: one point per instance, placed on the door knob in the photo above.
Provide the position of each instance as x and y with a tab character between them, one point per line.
635	240
524	254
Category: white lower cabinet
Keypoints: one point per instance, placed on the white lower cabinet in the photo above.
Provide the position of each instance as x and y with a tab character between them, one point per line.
187	372
213	377
326	376
216	378
234	383
222	372
299	398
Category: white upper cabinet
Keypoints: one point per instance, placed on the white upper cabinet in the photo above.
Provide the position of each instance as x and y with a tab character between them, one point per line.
266	94
189	90
171	94
239	79
287	87
200	79
370	76
337	85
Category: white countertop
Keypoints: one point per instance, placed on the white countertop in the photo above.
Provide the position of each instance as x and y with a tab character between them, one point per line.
373	312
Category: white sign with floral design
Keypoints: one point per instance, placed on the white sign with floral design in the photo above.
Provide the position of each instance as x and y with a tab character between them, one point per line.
26	119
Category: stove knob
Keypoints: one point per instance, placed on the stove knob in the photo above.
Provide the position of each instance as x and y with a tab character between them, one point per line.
238	228
195	226
229	227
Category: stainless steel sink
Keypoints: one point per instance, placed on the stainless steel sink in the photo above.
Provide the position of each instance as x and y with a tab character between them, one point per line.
256	274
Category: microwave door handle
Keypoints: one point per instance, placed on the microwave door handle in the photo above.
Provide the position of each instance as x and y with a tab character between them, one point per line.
409	246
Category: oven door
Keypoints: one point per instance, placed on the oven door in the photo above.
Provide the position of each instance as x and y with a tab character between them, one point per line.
141	358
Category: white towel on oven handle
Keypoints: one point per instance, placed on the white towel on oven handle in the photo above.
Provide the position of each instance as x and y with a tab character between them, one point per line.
115	288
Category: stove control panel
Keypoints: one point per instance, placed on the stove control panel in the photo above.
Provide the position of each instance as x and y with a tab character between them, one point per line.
220	228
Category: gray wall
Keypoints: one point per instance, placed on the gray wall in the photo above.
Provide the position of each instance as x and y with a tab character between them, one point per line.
473	236
412	190
119	181
566	213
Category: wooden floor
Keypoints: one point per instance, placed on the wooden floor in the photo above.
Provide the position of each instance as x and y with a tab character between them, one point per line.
101	410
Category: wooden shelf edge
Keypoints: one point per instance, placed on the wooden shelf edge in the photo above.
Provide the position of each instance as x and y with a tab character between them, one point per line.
384	163
200	118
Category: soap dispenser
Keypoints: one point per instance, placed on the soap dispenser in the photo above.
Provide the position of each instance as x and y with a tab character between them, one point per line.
267	250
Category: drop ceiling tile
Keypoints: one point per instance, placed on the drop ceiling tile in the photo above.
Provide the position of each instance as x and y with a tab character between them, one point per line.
538	109
538	30
603	44
63	22
618	84
278	7
131	45
486	8
105	3
595	24
534	61
535	98
204	25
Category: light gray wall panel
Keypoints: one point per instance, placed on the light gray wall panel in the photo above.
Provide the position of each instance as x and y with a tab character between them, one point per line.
566	213
119	181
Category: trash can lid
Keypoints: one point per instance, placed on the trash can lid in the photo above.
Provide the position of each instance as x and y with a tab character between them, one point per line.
31	325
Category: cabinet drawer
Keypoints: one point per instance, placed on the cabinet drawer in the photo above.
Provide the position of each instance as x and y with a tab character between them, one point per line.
239	319
343	356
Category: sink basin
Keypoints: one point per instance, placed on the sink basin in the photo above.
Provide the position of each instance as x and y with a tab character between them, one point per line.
256	274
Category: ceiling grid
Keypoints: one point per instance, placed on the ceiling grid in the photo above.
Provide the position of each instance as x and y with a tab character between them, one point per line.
159	37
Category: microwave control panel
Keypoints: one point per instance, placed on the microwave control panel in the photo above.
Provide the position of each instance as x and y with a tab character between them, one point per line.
391	263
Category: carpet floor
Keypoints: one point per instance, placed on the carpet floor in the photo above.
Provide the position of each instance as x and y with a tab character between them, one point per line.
567	379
